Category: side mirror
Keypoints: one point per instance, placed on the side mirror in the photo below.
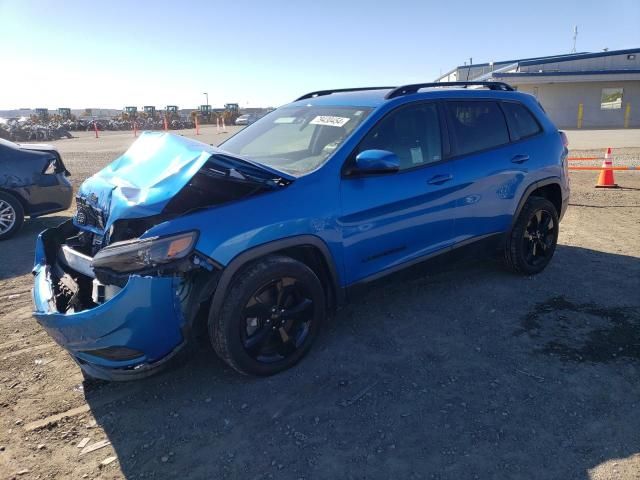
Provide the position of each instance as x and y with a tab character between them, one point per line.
376	162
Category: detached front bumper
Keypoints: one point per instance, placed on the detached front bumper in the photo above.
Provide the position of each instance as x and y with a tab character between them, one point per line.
131	335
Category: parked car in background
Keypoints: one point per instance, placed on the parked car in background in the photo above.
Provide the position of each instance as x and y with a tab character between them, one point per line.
33	182
246	119
261	238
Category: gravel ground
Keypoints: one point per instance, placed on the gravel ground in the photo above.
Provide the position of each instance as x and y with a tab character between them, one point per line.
469	372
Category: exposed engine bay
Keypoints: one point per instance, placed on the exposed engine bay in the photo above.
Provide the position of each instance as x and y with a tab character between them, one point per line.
206	189
92	256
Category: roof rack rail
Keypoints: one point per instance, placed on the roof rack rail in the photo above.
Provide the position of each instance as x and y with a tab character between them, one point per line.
406	89
320	93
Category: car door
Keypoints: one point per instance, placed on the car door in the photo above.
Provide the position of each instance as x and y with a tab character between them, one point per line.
390	219
490	169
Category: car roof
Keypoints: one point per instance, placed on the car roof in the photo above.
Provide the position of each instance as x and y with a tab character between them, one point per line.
377	97
361	98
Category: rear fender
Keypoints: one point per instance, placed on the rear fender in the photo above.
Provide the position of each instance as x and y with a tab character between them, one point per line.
527	193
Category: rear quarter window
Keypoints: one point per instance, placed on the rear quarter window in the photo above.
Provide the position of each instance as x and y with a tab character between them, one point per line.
521	121
477	125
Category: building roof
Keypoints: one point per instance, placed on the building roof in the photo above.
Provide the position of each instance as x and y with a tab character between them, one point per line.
577	56
566	56
512	67
582	76
561	74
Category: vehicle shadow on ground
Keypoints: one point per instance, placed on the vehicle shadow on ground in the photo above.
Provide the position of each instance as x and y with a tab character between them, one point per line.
16	253
467	373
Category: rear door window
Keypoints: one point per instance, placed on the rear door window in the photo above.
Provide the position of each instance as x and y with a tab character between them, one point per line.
521	121
477	125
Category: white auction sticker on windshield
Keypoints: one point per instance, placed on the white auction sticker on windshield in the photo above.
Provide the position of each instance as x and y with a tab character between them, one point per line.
329	120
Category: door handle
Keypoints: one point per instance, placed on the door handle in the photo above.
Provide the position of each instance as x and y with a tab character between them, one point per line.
520	158
439	179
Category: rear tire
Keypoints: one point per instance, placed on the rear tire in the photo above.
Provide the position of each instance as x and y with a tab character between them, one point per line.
11	215
533	239
270	317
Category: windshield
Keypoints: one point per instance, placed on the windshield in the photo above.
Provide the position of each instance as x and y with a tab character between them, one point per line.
296	140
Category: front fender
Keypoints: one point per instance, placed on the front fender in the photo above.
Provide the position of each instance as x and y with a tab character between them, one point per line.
229	230
271	247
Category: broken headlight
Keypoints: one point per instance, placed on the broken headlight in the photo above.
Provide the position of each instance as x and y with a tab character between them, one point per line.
135	255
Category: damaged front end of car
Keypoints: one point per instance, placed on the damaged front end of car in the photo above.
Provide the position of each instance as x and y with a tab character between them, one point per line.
120	299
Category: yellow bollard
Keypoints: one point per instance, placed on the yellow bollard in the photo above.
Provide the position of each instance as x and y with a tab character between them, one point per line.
580	114
627	115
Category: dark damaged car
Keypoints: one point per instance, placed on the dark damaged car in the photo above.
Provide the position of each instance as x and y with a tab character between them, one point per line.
257	241
33	182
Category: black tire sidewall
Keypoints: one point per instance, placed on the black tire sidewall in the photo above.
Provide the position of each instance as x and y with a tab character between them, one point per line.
224	326
515	247
19	212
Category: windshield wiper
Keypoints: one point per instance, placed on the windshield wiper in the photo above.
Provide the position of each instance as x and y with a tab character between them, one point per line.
247	162
241	170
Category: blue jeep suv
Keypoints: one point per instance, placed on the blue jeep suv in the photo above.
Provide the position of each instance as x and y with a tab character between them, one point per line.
260	239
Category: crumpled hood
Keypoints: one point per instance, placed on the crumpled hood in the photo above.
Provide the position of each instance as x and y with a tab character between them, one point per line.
141	182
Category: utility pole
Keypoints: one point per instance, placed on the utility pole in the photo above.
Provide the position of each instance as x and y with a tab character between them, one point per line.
575	38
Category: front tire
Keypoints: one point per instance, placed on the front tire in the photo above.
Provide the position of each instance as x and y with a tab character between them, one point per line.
11	215
533	239
272	313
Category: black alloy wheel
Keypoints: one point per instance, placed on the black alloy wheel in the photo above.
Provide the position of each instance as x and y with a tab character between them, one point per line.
277	320
271	314
533	238
539	237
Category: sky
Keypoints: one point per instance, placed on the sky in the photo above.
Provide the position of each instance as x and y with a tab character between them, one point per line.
114	53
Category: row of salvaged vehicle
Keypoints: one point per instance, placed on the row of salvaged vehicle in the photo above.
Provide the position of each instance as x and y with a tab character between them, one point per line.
29	130
140	124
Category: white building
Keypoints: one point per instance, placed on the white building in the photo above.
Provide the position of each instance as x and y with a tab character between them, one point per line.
579	90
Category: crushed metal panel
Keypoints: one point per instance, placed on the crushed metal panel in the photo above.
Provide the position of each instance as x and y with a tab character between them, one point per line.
20	167
143	180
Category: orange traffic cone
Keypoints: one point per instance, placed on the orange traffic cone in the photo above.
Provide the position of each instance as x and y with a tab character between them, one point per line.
605	179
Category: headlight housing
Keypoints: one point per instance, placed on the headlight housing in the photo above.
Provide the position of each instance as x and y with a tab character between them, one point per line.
136	255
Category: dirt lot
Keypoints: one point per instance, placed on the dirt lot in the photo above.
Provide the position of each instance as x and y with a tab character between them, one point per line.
467	373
